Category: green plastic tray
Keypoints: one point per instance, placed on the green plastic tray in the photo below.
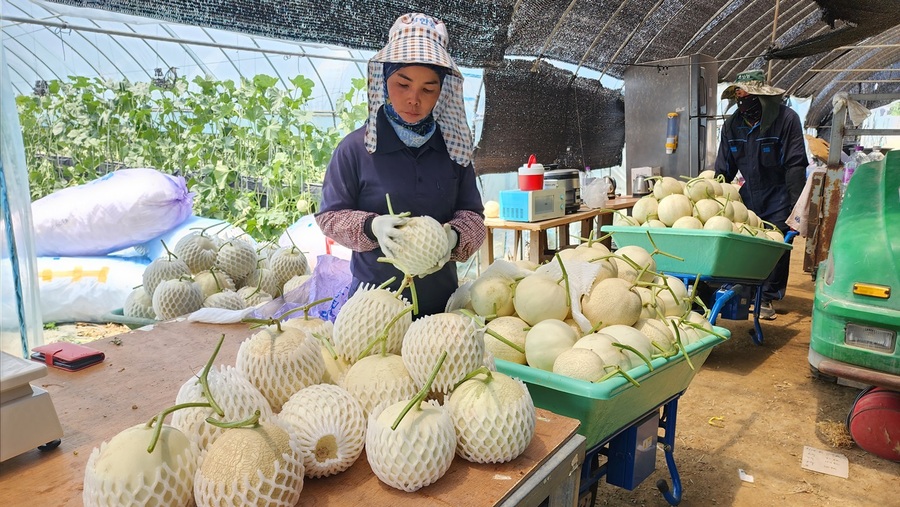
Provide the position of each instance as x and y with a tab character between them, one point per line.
605	408
710	253
118	316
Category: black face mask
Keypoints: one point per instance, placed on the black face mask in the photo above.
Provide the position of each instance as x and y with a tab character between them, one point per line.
750	108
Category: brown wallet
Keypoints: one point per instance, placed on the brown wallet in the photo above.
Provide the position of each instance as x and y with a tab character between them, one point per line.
67	356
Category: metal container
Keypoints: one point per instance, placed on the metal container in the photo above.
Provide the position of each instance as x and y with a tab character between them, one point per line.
570	181
641	186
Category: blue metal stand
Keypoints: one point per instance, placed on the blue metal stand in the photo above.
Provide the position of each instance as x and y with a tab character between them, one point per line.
592	470
728	289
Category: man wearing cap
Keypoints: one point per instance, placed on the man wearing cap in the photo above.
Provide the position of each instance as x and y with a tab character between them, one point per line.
415	147
763	140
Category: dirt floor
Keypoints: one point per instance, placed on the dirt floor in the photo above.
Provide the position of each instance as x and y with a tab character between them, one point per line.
754	408
750	407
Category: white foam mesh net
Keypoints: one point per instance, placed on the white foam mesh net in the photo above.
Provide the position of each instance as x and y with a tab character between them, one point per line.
280	364
167	486
379	379
417	453
492	428
421	245
428	337
280	488
364	316
322	416
461	297
236	396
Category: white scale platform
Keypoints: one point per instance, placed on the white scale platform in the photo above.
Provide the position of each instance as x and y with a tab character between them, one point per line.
27	417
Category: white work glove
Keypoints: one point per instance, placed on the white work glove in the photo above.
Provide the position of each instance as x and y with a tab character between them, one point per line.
386	230
452	240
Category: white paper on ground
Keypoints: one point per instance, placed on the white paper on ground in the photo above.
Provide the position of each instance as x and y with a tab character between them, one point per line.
825	462
744	475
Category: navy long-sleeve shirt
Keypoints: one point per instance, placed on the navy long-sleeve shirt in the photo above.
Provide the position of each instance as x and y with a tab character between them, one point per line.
423	181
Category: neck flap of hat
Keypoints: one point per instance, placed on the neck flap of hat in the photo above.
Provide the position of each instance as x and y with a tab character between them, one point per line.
418	38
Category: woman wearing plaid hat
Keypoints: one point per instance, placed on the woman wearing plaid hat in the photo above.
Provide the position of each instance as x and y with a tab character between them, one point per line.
415	147
763	140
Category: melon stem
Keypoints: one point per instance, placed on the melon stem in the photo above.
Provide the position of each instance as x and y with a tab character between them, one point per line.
505	341
617	370
417	399
388	282
327	344
565	278
681	347
253	420
635	351
204	379
382	336
158	419
474	373
656	249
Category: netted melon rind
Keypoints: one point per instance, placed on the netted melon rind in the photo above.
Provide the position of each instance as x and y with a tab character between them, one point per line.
167	486
174	298
237	258
363	317
421	245
429	336
236	396
197	251
254	297
418	452
312	325
375	380
288	262
492	428
281	489
280	364
227	299
161	269
213	281
265	280
294	282
320	411
139	304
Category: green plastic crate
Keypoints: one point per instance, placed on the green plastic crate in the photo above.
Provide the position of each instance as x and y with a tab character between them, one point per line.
710	253
606	407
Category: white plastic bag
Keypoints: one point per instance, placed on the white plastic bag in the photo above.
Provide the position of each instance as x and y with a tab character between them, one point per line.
595	193
122	209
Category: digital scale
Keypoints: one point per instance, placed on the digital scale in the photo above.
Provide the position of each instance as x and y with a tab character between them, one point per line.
532	205
27	417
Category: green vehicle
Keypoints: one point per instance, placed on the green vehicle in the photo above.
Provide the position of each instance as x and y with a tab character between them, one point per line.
856	308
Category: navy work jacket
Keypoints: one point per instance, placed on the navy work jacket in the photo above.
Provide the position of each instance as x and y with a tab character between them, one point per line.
769	161
423	181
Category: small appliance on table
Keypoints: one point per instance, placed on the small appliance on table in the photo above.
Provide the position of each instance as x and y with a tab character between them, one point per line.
27	416
532	205
570	181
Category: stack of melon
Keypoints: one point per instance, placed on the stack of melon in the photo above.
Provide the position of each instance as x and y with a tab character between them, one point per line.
303	400
703	202
212	272
612	305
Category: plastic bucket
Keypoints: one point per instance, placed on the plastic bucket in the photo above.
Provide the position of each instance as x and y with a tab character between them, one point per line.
531	178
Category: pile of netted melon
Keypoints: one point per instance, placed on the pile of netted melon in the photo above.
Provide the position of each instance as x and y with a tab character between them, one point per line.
704	202
306	396
206	271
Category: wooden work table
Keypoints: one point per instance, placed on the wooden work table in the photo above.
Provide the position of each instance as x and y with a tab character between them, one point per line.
145	368
538	248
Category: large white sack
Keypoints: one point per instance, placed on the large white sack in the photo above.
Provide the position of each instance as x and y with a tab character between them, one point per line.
84	289
122	209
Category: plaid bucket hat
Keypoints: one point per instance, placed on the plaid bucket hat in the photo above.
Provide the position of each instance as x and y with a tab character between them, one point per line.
752	82
419	38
